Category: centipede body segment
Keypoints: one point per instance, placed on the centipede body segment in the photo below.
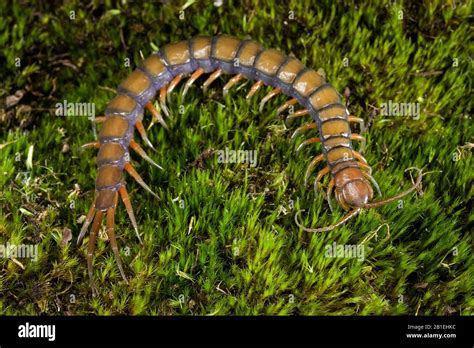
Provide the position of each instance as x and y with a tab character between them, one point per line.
244	59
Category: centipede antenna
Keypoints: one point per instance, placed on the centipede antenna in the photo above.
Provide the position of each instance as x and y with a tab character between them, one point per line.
269	96
113	240
130	170
85	226
128	206
400	195
327	228
138	149
195	75
142	131
156	116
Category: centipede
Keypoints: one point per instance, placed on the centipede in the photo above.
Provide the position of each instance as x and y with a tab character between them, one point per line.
351	179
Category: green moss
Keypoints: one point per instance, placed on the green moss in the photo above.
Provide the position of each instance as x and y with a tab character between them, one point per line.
222	238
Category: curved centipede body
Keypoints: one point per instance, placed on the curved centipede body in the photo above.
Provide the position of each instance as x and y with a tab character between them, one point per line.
245	59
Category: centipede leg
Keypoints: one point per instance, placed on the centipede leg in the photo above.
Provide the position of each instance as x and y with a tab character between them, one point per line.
255	87
329	193
211	79
130	170
358	120
303	128
91	248
359	157
319	176
299	113
172	85
355	136
231	83
138	149
374	182
91	145
195	75
311	166
156	116
142	131
85	226
163	106
128	206
286	105
113	241
100	119
307	142
269	96
365	167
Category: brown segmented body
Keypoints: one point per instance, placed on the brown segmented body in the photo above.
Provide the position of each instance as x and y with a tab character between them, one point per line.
163	70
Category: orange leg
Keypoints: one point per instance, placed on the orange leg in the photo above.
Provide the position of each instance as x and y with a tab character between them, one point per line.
212	78
130	170
329	193
359	157
100	119
255	87
85	226
192	79
231	83
311	166
91	247
163	106
128	206
365	167
156	116
93	144
138	149
320	175
358	120
307	142
269	96
142	131
372	180
172	85
303	128
297	114
113	241
355	136
286	105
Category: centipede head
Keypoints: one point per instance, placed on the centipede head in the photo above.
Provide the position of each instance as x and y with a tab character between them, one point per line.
354	194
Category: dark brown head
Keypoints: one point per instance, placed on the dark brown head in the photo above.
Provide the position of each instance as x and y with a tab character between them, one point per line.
354	193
